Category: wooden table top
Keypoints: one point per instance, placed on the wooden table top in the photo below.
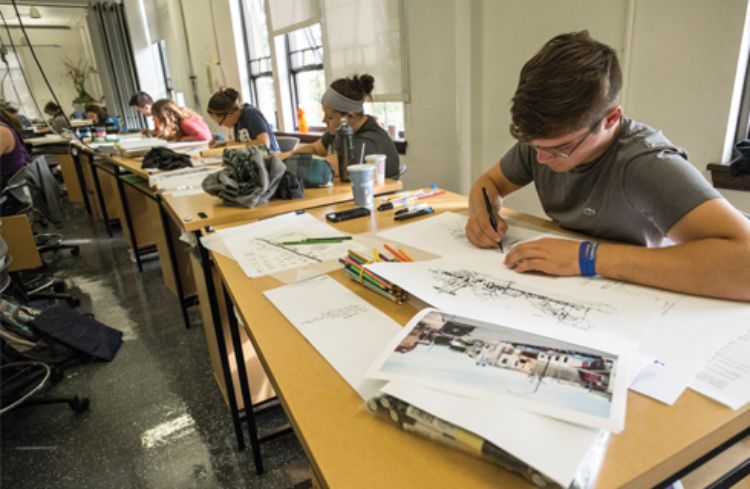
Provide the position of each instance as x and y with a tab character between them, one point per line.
349	447
188	206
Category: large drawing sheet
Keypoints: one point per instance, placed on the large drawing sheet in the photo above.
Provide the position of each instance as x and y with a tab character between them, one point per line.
726	377
553	447
682	331
345	329
487	290
581	379
445	235
258	250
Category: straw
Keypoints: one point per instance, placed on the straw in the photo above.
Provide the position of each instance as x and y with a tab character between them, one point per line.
362	154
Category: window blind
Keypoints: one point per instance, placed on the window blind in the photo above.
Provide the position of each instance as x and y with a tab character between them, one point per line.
290	15
366	36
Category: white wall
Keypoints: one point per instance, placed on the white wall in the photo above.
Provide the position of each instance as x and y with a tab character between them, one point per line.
52	59
682	63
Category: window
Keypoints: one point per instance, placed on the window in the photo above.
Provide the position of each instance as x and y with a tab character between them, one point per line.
390	115
259	64
306	75
14	87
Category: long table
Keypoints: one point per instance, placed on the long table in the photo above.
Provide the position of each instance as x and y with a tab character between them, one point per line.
348	447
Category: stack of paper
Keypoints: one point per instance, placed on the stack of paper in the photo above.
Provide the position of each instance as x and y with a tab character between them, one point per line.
141	146
184	180
682	332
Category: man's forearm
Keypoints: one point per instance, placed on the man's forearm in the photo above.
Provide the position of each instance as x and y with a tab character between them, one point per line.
713	267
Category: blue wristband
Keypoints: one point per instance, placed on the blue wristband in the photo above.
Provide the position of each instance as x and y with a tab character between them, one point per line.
587	258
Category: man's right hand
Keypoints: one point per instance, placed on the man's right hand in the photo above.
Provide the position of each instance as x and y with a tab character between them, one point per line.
480	232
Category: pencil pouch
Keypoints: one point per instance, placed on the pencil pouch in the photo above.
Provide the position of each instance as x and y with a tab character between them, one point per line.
414	420
313	170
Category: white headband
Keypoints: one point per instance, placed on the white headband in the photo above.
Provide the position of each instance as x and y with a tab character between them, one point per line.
336	101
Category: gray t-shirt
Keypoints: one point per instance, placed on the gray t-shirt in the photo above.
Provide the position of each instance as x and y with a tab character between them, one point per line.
635	192
376	141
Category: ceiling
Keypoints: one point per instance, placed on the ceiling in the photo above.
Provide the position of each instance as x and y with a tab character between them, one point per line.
51	16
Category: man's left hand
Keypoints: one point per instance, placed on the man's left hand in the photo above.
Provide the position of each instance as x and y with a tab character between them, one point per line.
546	255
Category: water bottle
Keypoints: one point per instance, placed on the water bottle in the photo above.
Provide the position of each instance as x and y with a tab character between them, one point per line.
344	149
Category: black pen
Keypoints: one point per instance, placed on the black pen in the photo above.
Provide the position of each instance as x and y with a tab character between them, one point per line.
493	219
417	213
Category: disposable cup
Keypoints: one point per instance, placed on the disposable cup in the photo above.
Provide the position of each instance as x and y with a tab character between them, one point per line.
379	162
363	184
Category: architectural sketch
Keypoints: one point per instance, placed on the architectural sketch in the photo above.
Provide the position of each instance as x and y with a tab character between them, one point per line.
571	312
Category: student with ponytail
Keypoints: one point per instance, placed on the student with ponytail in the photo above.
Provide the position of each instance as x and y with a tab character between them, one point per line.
249	124
345	97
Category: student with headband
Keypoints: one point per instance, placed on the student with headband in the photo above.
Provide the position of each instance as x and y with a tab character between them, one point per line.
249	124
345	97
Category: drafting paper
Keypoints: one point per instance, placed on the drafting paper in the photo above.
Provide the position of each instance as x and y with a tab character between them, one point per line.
256	247
552	306
684	338
569	380
553	447
445	235
344	328
726	377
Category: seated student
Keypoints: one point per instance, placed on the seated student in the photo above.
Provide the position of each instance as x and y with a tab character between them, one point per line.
345	98
13	155
143	103
56	118
608	176
99	116
13	110
179	123
249	124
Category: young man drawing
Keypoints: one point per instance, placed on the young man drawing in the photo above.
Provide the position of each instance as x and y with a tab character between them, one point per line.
605	175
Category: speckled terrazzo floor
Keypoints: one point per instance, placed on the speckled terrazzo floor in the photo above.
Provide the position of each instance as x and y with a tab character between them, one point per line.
157	419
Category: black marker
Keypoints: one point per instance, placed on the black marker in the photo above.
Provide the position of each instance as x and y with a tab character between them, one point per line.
491	213
417	213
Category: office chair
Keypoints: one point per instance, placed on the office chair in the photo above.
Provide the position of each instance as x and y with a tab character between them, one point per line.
33	190
24	381
287	143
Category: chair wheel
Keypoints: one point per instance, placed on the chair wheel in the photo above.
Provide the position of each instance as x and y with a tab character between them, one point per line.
73	301
79	405
75	251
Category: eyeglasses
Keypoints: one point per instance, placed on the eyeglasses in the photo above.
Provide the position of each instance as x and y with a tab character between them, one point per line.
224	115
564	154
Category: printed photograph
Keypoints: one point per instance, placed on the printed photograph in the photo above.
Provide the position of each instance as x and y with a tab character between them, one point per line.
484	360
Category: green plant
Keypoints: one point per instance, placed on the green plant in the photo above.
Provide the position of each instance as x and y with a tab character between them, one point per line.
80	72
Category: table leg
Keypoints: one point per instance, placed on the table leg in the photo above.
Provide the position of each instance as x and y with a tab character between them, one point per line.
100	195
173	260
218	330
128	220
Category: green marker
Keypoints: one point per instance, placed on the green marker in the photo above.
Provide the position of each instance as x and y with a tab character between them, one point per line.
332	239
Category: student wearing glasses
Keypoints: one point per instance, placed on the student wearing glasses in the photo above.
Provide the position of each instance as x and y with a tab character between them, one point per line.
345	98
601	173
249	124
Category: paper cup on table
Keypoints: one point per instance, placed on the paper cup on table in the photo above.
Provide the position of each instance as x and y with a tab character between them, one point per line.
363	184
379	162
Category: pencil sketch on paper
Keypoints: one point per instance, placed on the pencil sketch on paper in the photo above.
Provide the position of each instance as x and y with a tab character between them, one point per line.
344	312
570	312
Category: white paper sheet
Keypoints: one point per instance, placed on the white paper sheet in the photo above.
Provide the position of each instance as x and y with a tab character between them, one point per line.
682	331
345	329
726	378
258	250
497	363
444	235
